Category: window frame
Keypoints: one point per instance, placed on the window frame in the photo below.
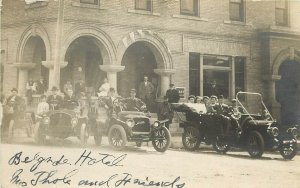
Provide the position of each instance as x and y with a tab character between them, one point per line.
149	9
286	14
196	11
98	2
242	10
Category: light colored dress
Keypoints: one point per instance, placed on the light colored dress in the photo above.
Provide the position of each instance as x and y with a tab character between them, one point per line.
103	90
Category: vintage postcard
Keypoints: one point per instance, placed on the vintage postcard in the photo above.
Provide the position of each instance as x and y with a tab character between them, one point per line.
149	93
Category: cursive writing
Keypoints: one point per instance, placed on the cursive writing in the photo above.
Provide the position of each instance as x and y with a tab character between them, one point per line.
36	160
44	177
103	158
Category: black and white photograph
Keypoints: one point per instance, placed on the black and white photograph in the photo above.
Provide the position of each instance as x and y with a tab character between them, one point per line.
150	93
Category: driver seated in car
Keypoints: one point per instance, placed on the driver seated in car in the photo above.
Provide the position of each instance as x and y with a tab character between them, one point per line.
70	101
133	103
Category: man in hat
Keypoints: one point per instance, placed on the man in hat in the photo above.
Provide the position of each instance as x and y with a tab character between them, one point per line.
191	99
70	101
165	111
12	107
55	101
133	103
172	94
41	87
146	92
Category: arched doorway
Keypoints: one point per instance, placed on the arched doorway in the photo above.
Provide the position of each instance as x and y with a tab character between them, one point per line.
288	92
35	52
84	58
139	60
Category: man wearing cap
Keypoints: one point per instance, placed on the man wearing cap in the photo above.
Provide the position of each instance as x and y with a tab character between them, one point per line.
134	104
172	94
12	107
55	101
191	99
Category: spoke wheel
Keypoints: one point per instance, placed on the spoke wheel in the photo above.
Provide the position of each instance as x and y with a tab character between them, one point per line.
220	146
289	152
191	138
117	136
84	134
255	144
162	139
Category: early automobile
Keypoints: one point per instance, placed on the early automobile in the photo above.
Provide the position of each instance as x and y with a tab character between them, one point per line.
125	126
253	129
62	124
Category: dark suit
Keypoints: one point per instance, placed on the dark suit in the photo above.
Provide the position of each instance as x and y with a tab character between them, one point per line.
79	87
146	93
164	111
41	87
12	107
172	95
55	102
134	104
70	102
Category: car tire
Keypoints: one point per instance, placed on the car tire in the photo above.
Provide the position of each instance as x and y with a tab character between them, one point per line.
289	152
191	138
220	147
98	136
117	137
84	134
161	145
255	144
11	131
39	136
138	144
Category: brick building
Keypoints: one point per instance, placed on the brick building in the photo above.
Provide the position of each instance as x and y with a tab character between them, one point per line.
243	45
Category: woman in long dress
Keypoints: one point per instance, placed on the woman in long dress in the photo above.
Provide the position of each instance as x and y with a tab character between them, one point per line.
104	88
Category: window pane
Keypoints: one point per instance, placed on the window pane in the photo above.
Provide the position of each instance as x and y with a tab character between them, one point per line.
222	61
235	11
189	7
239	74
280	4
194	74
216	83
280	16
95	2
143	4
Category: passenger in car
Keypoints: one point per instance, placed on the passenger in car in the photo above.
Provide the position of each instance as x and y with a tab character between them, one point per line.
133	103
70	101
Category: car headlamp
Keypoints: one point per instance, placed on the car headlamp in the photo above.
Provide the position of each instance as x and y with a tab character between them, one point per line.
46	120
74	121
293	131
274	131
156	124
130	123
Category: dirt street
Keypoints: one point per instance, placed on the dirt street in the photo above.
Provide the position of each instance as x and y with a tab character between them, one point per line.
64	163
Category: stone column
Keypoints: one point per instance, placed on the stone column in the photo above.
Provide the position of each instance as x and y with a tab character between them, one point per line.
164	79
53	77
111	71
23	75
274	106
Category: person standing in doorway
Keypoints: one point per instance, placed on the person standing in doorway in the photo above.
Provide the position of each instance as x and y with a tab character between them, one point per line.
146	93
172	94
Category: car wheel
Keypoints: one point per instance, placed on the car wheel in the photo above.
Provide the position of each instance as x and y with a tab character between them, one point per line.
98	136
255	144
162	139
288	152
11	131
39	136
138	144
117	137
190	138
220	146
84	134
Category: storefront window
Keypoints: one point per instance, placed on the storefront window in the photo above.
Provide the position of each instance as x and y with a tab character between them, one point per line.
216	75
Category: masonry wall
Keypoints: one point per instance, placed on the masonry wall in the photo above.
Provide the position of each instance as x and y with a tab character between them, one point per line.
210	33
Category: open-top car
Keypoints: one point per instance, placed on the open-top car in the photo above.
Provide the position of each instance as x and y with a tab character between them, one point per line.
133	126
252	128
62	124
